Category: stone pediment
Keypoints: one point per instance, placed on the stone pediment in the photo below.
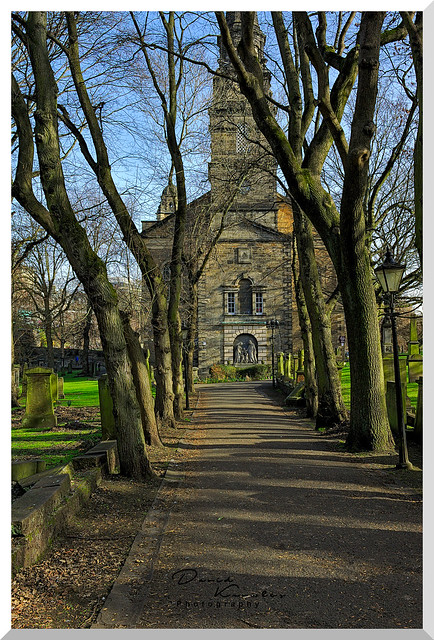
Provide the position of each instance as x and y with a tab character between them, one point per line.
250	231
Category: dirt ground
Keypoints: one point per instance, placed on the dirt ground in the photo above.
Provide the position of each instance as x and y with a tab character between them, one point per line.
68	587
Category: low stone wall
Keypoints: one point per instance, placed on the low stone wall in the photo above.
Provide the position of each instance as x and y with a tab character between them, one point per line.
52	498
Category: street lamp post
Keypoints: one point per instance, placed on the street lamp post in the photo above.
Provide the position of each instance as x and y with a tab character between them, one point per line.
185	359
272	324
389	275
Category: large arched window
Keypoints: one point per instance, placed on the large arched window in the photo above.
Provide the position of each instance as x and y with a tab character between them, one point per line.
245	296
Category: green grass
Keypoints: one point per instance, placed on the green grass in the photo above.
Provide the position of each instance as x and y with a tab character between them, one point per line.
79	391
59	447
412	387
55	447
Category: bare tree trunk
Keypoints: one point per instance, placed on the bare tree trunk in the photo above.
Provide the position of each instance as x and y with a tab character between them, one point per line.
331	408
310	384
141	383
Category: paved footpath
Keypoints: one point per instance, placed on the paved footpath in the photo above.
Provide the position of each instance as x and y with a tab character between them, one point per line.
268	527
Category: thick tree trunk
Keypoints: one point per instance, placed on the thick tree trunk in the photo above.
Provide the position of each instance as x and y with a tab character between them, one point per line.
369	426
163	364
331	408
141	383
176	350
311	387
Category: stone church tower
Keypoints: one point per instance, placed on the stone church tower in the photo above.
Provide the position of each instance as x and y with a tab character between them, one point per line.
247	280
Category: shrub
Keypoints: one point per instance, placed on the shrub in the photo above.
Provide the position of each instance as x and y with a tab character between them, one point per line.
229	373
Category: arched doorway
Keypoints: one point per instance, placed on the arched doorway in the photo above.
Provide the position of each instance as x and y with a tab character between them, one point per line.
245	349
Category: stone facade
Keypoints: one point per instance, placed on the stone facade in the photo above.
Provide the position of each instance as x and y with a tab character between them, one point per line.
248	278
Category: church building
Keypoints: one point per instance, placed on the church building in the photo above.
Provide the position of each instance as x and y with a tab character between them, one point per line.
247	280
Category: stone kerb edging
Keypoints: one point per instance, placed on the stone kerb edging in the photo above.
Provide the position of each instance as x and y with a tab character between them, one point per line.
44	510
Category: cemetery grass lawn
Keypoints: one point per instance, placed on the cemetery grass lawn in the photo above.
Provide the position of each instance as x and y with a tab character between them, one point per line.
412	387
68	587
78	429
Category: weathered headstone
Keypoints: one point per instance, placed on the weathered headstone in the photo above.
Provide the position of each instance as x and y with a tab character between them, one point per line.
54	387
296	397
386	336
17	369
287	366
415	368
60	390
419	411
39	405
389	369
280	370
301	359
413	345
108	427
391	405
294	366
24	380
69	368
414	358
299	375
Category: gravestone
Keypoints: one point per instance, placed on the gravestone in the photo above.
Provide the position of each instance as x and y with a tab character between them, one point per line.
296	397
24	380
414	358
386	336
294	366
60	391
299	375
54	387
280	370
108	427
69	368
419	411
391	405
389	369
413	345
39	405
287	366
415	368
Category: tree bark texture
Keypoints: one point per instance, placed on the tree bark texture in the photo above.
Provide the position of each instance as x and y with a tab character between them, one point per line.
331	408
141	383
369	427
310	383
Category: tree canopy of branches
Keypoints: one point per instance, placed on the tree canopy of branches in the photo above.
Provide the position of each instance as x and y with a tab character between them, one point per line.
301	159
